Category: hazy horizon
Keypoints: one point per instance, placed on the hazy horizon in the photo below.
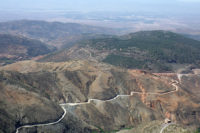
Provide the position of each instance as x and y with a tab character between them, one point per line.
131	15
160	6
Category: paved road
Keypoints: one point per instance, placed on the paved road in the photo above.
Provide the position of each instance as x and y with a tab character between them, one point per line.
174	83
181	75
39	125
165	126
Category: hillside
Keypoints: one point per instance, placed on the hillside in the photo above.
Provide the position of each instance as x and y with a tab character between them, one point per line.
149	49
15	48
52	33
156	126
156	51
96	97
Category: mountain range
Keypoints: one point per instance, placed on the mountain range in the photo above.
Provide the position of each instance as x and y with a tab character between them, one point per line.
16	48
73	78
53	33
158	51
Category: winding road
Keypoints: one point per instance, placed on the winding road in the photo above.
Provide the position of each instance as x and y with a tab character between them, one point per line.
174	83
39	125
165	126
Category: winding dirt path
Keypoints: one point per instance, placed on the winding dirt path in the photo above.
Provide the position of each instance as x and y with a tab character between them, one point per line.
174	84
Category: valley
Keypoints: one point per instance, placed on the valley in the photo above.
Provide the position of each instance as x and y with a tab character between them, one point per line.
74	78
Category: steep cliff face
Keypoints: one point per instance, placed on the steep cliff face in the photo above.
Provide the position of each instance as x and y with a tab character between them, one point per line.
99	96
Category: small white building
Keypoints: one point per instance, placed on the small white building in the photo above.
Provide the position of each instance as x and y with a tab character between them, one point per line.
167	121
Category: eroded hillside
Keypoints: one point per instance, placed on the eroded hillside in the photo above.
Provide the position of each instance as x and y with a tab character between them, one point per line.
95	96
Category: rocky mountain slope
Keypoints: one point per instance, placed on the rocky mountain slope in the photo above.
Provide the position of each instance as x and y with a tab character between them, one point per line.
20	106
53	33
16	48
96	97
157	51
156	127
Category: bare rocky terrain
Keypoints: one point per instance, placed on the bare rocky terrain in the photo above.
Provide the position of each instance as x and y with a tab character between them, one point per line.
97	97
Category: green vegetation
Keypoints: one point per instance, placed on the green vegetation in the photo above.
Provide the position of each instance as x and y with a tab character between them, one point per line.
149	49
198	130
123	61
5	61
14	48
114	131
34	47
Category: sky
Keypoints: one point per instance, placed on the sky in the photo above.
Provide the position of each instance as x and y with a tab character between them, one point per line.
176	6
